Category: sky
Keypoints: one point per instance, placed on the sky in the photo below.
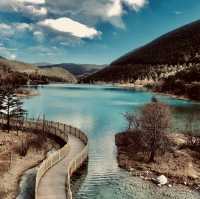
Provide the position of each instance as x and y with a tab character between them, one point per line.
86	31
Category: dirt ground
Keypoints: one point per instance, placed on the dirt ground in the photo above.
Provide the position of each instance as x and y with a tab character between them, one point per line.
181	165
10	173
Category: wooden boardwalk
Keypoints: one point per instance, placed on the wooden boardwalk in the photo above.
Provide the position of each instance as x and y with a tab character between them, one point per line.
52	184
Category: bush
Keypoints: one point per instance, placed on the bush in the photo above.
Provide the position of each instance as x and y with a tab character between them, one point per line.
150	127
194	142
22	148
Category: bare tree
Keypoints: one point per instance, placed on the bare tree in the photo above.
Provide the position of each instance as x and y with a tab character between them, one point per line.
132	120
152	123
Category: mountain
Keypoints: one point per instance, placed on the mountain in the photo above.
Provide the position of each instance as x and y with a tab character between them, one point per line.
78	70
41	64
165	56
17	66
59	73
35	73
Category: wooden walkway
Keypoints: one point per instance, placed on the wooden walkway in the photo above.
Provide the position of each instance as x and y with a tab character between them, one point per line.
52	184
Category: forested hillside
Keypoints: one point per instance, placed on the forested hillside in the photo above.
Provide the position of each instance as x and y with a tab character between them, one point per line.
169	53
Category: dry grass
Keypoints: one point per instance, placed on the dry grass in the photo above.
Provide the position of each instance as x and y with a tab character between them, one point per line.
180	164
34	155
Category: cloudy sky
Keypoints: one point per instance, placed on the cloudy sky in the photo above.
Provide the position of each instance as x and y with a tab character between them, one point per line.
86	31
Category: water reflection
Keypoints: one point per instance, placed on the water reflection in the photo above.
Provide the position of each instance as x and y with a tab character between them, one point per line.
98	110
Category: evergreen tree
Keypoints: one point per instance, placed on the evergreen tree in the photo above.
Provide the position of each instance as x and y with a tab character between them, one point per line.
10	105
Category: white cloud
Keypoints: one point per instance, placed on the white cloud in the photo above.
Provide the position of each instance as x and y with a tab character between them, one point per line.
8	53
115	9
91	12
23	26
135	4
69	21
30	9
25	7
38	35
32	1
67	25
6	30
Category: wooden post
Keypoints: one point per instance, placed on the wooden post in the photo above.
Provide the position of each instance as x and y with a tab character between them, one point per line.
10	159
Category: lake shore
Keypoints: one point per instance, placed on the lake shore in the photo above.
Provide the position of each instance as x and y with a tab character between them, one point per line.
142	88
11	172
21	93
180	165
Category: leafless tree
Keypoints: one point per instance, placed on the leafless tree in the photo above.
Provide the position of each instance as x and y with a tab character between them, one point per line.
153	122
132	120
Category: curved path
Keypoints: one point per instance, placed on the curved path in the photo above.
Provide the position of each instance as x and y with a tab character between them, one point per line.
52	184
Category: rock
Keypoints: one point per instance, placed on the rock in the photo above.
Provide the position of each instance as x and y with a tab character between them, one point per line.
169	185
162	180
159	185
142	177
131	169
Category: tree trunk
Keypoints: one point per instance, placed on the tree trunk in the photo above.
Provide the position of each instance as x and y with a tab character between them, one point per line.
151	159
8	123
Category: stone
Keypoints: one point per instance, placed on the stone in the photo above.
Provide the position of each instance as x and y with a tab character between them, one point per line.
159	185
169	185
131	169
162	180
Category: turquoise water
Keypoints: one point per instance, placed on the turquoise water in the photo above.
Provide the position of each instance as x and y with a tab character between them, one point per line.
98	111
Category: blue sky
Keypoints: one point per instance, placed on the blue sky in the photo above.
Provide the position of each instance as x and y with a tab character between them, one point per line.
86	31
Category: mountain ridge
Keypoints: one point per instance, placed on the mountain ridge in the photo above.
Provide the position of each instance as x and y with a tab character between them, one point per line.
18	67
78	70
175	48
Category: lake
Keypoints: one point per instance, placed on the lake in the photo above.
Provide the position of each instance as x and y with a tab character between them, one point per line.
98	111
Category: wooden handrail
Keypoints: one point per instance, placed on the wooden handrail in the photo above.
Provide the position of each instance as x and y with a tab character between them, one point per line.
62	131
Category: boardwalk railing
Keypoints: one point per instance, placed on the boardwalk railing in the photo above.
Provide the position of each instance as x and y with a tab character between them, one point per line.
78	160
54	129
62	131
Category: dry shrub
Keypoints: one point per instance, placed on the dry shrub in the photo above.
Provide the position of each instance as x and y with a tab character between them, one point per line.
36	142
22	147
149	128
2	194
4	162
194	142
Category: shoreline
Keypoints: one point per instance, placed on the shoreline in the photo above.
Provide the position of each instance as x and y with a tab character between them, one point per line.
141	87
167	165
27	93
